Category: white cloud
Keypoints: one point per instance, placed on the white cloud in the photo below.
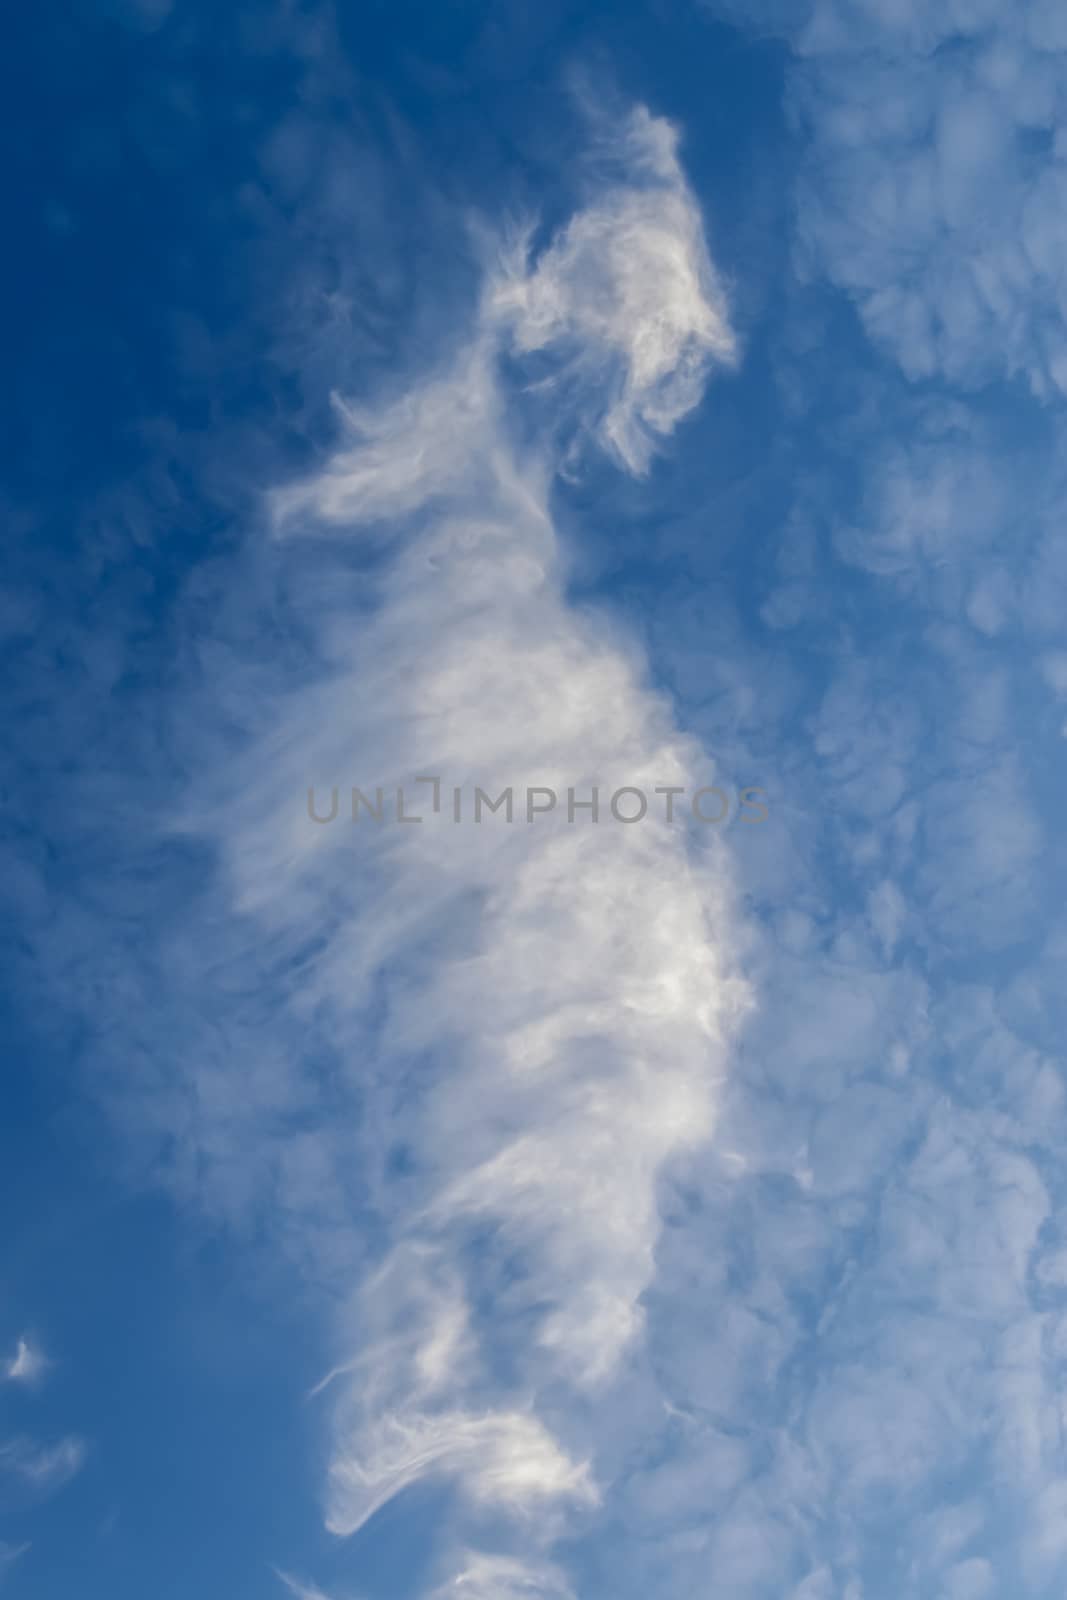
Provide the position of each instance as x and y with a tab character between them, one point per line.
9	1554
755	1352
628	291
1054	670
557	999
970	1580
932	187
302	1591
486	1577
27	1364
43	1468
504	1460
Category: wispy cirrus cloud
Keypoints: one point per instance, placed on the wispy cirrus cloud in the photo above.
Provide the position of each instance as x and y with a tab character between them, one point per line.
41	1468
795	1329
302	1591
27	1365
31	1471
628	290
503	1578
9	1554
554	1007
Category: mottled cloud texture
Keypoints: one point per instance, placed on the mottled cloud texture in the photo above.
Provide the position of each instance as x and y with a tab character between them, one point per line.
892	1331
933	183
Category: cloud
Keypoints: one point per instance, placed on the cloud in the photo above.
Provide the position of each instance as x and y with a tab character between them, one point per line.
495	1577
732	1321
503	1460
9	1554
302	1591
553	1003
27	1365
932	187
628	291
798	1324
42	1468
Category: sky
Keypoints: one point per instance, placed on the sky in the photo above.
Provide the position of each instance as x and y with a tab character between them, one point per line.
534	695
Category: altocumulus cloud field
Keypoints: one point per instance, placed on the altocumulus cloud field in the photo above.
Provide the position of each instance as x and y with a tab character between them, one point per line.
437	401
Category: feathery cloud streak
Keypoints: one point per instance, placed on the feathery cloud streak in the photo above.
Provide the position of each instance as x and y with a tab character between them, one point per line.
26	1365
556	1007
